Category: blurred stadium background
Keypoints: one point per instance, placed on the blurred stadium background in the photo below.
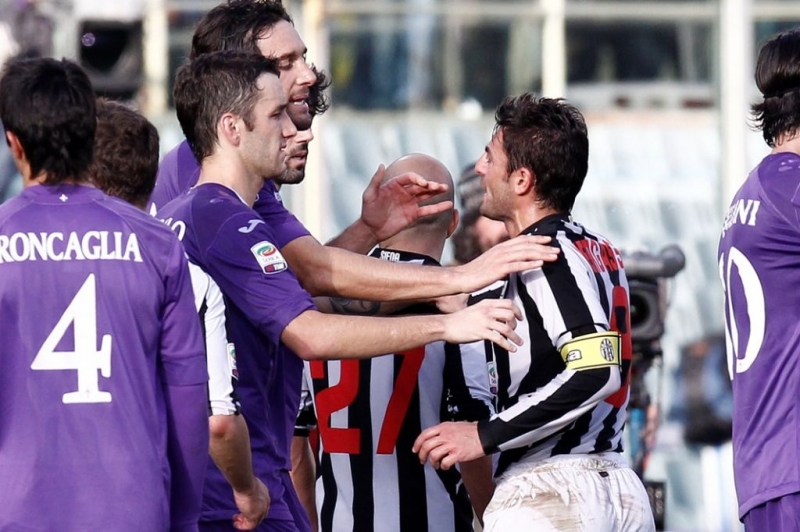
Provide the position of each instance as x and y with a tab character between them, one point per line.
665	86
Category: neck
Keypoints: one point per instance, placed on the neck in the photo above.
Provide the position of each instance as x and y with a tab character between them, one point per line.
230	172
416	243
787	144
526	217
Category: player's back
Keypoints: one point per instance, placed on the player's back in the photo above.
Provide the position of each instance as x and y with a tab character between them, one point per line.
759	265
369	412
83	285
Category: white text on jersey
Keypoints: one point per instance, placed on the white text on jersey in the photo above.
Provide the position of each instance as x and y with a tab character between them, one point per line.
743	212
92	245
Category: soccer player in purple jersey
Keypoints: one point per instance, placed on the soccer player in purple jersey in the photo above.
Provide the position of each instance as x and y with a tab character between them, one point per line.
561	399
759	260
265	27
125	164
103	424
233	112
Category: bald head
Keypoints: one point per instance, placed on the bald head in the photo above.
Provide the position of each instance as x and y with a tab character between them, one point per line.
427	235
433	170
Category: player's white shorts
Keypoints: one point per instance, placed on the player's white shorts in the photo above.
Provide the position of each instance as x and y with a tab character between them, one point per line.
581	493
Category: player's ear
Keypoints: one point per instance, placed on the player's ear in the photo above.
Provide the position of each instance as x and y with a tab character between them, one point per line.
523	181
14	144
229	129
453	223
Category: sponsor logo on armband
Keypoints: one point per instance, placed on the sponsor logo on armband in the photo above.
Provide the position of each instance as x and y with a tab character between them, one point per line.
607	349
269	258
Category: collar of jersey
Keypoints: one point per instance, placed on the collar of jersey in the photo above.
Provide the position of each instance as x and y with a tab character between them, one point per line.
548	225
406	256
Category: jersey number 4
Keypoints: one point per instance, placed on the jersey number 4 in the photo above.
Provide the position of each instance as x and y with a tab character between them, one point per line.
86	359
343	394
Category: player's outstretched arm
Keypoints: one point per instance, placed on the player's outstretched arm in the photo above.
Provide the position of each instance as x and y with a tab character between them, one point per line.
317	336
328	271
229	447
388	208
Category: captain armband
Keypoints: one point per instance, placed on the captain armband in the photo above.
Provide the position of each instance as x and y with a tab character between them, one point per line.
591	351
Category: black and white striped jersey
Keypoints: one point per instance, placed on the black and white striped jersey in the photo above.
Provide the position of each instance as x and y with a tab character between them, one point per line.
220	354
369	413
543	407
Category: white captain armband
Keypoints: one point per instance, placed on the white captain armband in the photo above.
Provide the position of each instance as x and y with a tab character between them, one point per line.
591	351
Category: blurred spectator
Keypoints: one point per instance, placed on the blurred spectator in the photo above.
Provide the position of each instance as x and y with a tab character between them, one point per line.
704	402
31	30
476	233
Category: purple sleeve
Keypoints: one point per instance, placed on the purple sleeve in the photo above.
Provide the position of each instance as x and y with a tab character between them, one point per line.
177	173
184	376
283	224
251	271
187	449
181	349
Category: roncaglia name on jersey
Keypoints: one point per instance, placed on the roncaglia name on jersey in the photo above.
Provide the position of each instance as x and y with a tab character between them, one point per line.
92	245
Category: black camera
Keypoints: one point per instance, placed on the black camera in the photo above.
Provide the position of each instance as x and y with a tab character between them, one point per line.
645	272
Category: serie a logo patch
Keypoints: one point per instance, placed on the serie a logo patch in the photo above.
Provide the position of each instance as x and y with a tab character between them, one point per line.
268	257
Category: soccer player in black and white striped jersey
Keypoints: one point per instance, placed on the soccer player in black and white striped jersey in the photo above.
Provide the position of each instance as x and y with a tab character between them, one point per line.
371	411
561	399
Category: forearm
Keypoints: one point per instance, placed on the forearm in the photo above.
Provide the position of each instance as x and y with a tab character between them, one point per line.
545	411
357	238
477	476
304	477
187	451
329	271
340	337
229	447
358	307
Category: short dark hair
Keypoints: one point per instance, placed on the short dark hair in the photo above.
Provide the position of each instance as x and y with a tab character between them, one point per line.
236	25
214	84
318	100
547	136
125	160
778	78
49	106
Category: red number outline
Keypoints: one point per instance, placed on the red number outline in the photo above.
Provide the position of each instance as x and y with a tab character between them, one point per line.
342	394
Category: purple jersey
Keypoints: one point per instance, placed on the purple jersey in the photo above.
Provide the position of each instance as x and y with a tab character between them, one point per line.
179	171
236	248
98	321
759	262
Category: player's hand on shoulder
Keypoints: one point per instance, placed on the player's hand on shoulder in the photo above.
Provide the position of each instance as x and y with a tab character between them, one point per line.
253	505
524	252
490	319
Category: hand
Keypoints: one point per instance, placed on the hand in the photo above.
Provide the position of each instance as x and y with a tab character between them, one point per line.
448	443
491	319
388	208
525	252
450	304
253	506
